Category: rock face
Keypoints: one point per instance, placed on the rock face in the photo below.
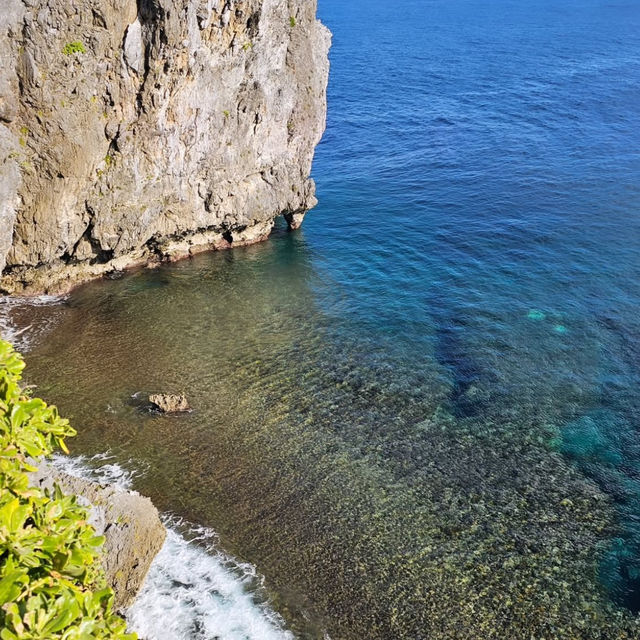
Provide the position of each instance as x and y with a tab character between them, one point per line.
129	522
133	131
170	402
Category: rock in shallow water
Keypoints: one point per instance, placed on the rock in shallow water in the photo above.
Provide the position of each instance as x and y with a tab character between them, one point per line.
170	402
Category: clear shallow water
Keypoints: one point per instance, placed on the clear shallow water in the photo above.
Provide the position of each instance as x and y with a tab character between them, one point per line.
418	416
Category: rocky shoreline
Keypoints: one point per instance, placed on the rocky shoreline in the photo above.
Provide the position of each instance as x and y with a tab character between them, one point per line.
130	523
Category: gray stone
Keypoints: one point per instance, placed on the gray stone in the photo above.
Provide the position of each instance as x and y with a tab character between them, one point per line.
129	522
185	125
9	183
134	47
11	14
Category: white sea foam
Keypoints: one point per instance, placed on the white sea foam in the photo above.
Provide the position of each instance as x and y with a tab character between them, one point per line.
21	337
101	468
194	591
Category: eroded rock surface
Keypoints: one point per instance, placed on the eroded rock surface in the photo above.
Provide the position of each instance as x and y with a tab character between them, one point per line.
139	131
170	402
129	522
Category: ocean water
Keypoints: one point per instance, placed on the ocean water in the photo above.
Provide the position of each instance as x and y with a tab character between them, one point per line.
418	417
194	591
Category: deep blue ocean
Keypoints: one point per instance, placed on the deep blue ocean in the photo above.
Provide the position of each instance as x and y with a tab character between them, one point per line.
479	187
419	415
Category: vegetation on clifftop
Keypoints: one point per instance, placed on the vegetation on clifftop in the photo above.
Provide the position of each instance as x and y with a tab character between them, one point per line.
51	582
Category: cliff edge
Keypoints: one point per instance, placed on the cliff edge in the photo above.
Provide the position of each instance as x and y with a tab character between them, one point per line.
134	132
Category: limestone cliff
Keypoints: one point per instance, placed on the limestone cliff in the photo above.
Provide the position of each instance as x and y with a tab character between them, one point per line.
132	132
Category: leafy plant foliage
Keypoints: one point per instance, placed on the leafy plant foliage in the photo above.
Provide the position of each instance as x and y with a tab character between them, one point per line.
74	47
52	585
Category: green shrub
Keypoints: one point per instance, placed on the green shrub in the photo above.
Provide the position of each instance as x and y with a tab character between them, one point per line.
74	47
52	585
292	21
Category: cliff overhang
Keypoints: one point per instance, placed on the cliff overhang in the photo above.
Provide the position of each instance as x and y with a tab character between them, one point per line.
133	132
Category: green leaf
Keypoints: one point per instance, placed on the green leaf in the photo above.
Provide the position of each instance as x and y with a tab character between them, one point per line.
11	585
68	609
13	515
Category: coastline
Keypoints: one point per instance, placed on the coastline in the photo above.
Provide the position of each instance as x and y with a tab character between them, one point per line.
191	577
416	420
159	563
129	522
52	280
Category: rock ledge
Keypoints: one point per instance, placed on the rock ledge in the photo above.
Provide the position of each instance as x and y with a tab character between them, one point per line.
130	523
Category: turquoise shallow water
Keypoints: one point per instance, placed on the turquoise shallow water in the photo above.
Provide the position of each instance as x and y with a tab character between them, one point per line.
418	415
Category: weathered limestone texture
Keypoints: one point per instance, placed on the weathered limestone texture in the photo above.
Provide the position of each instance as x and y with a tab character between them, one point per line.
132	132
170	402
129	522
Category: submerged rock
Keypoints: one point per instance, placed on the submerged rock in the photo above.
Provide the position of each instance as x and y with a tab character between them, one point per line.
135	132
129	522
170	402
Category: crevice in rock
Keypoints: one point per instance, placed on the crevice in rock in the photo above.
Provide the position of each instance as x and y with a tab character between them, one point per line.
150	15
253	23
98	19
153	246
100	255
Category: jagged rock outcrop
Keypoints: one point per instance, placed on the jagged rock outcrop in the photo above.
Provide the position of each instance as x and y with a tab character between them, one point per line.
134	131
170	402
129	522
